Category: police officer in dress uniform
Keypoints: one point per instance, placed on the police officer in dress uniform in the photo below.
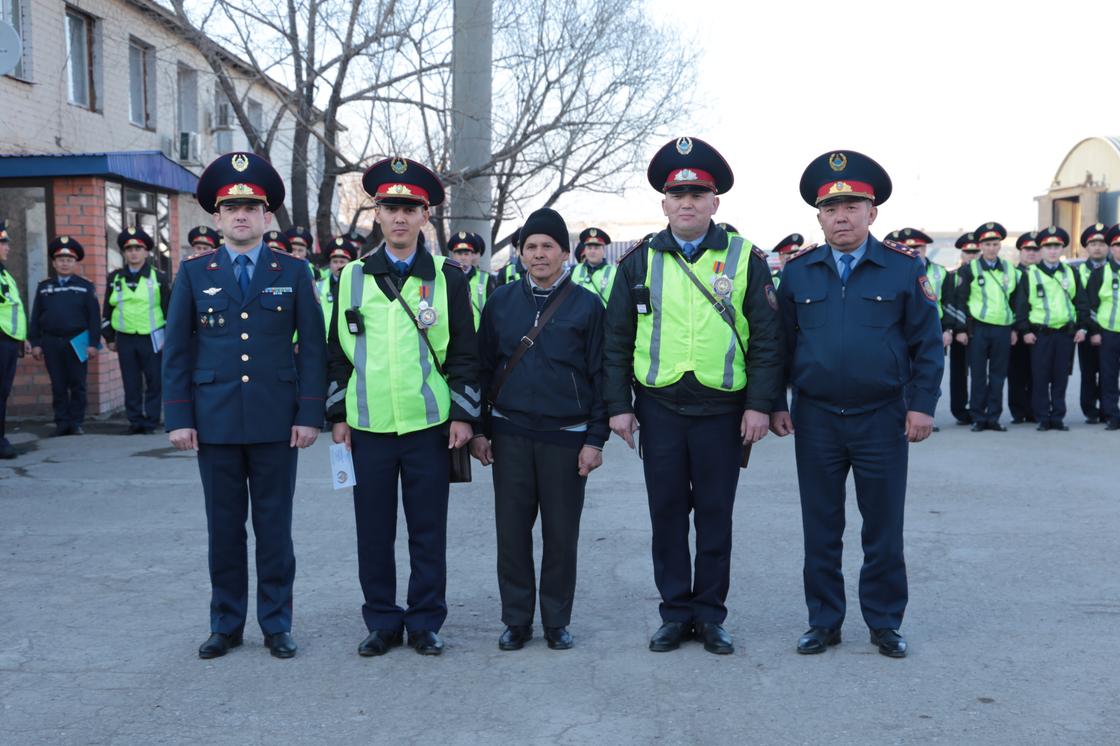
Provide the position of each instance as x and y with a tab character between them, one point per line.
592	269
1019	399
1103	298
340	253
1094	241
958	352
692	354
135	308
1051	316
13	336
64	307
514	269
235	392
202	238
986	294
398	407
467	249
786	248
864	352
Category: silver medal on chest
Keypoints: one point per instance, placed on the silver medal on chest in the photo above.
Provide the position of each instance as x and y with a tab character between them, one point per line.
723	286
426	317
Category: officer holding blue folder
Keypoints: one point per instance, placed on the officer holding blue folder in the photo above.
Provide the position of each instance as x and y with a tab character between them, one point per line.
65	307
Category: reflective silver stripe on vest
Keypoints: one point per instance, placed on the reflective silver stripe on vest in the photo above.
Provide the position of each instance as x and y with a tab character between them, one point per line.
357	285
656	291
1045	296
1115	300
431	407
151	301
480	291
731	265
120	297
1067	273
980	270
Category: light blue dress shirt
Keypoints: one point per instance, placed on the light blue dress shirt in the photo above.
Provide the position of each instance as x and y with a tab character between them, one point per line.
253	254
857	257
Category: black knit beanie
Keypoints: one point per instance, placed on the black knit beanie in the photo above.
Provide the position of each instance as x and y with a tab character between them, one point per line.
548	222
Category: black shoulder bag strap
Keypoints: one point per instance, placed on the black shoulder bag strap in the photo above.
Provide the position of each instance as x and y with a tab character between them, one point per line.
529	339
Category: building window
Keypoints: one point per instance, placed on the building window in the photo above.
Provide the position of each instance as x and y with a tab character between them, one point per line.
255	114
223	123
80	59
127	207
25	208
141	84
12	13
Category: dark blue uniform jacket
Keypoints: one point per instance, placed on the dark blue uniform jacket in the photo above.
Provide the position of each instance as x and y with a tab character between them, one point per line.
64	310
853	348
229	367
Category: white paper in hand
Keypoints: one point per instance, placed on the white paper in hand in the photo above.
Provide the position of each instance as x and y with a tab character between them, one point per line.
342	467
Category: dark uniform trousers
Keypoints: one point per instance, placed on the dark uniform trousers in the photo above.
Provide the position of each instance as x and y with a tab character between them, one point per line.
9	356
1050	356
1019	365
531	475
872	445
1089	360
234	475
140	374
419	461
958	381
989	350
68	379
1109	352
690	464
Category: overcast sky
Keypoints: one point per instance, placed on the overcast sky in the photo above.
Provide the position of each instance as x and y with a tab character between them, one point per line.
970	106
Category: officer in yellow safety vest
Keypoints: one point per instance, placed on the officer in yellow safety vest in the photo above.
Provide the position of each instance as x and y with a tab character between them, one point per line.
133	317
1103	298
1051	315
1019	389
693	325
785	249
403	389
1093	240
13	335
592	270
986	290
467	249
514	270
341	252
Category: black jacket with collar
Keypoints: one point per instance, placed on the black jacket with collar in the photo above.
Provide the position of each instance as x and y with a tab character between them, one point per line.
461	362
558	383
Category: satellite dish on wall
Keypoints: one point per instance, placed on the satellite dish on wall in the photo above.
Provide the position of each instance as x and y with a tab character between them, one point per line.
11	48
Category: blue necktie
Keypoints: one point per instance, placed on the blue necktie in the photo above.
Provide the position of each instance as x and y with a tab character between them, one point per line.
688	248
847	260
243	276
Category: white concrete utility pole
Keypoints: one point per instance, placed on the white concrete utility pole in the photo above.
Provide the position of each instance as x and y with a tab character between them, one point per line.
470	118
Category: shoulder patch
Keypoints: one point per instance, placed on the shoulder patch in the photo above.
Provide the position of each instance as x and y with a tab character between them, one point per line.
927	289
804	250
900	248
642	243
206	253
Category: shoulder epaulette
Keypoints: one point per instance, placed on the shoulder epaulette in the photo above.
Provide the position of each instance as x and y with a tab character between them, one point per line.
200	256
453	263
900	248
804	250
639	244
759	253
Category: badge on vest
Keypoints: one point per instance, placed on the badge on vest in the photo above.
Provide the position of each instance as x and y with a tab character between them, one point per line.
721	283
426	317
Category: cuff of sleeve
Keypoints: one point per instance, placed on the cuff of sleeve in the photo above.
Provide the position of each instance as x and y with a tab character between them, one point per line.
923	402
613	409
595	441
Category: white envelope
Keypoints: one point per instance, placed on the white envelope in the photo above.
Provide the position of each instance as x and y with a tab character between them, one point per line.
342	467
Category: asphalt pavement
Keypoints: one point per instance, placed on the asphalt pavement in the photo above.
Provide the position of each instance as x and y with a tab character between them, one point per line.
1011	545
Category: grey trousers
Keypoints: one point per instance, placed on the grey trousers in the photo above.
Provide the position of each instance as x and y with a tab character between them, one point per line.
531	476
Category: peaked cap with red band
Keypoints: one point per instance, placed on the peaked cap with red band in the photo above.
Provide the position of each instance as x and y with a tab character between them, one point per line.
1026	241
1052	235
402	181
911	237
844	174
791	243
1095	232
203	234
1113	236
467	240
134	237
343	247
967	242
990	232
239	178
277	240
689	164
66	246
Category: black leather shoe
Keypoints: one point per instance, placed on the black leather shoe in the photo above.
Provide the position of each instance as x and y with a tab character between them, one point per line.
964	421
669	636
7	452
281	645
817	640
515	637
996	427
425	643
379	642
891	644
559	638
218	645
977	427
1112	425
1018	420
716	639
133	430
1059	425
1092	420
59	431
1043	427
